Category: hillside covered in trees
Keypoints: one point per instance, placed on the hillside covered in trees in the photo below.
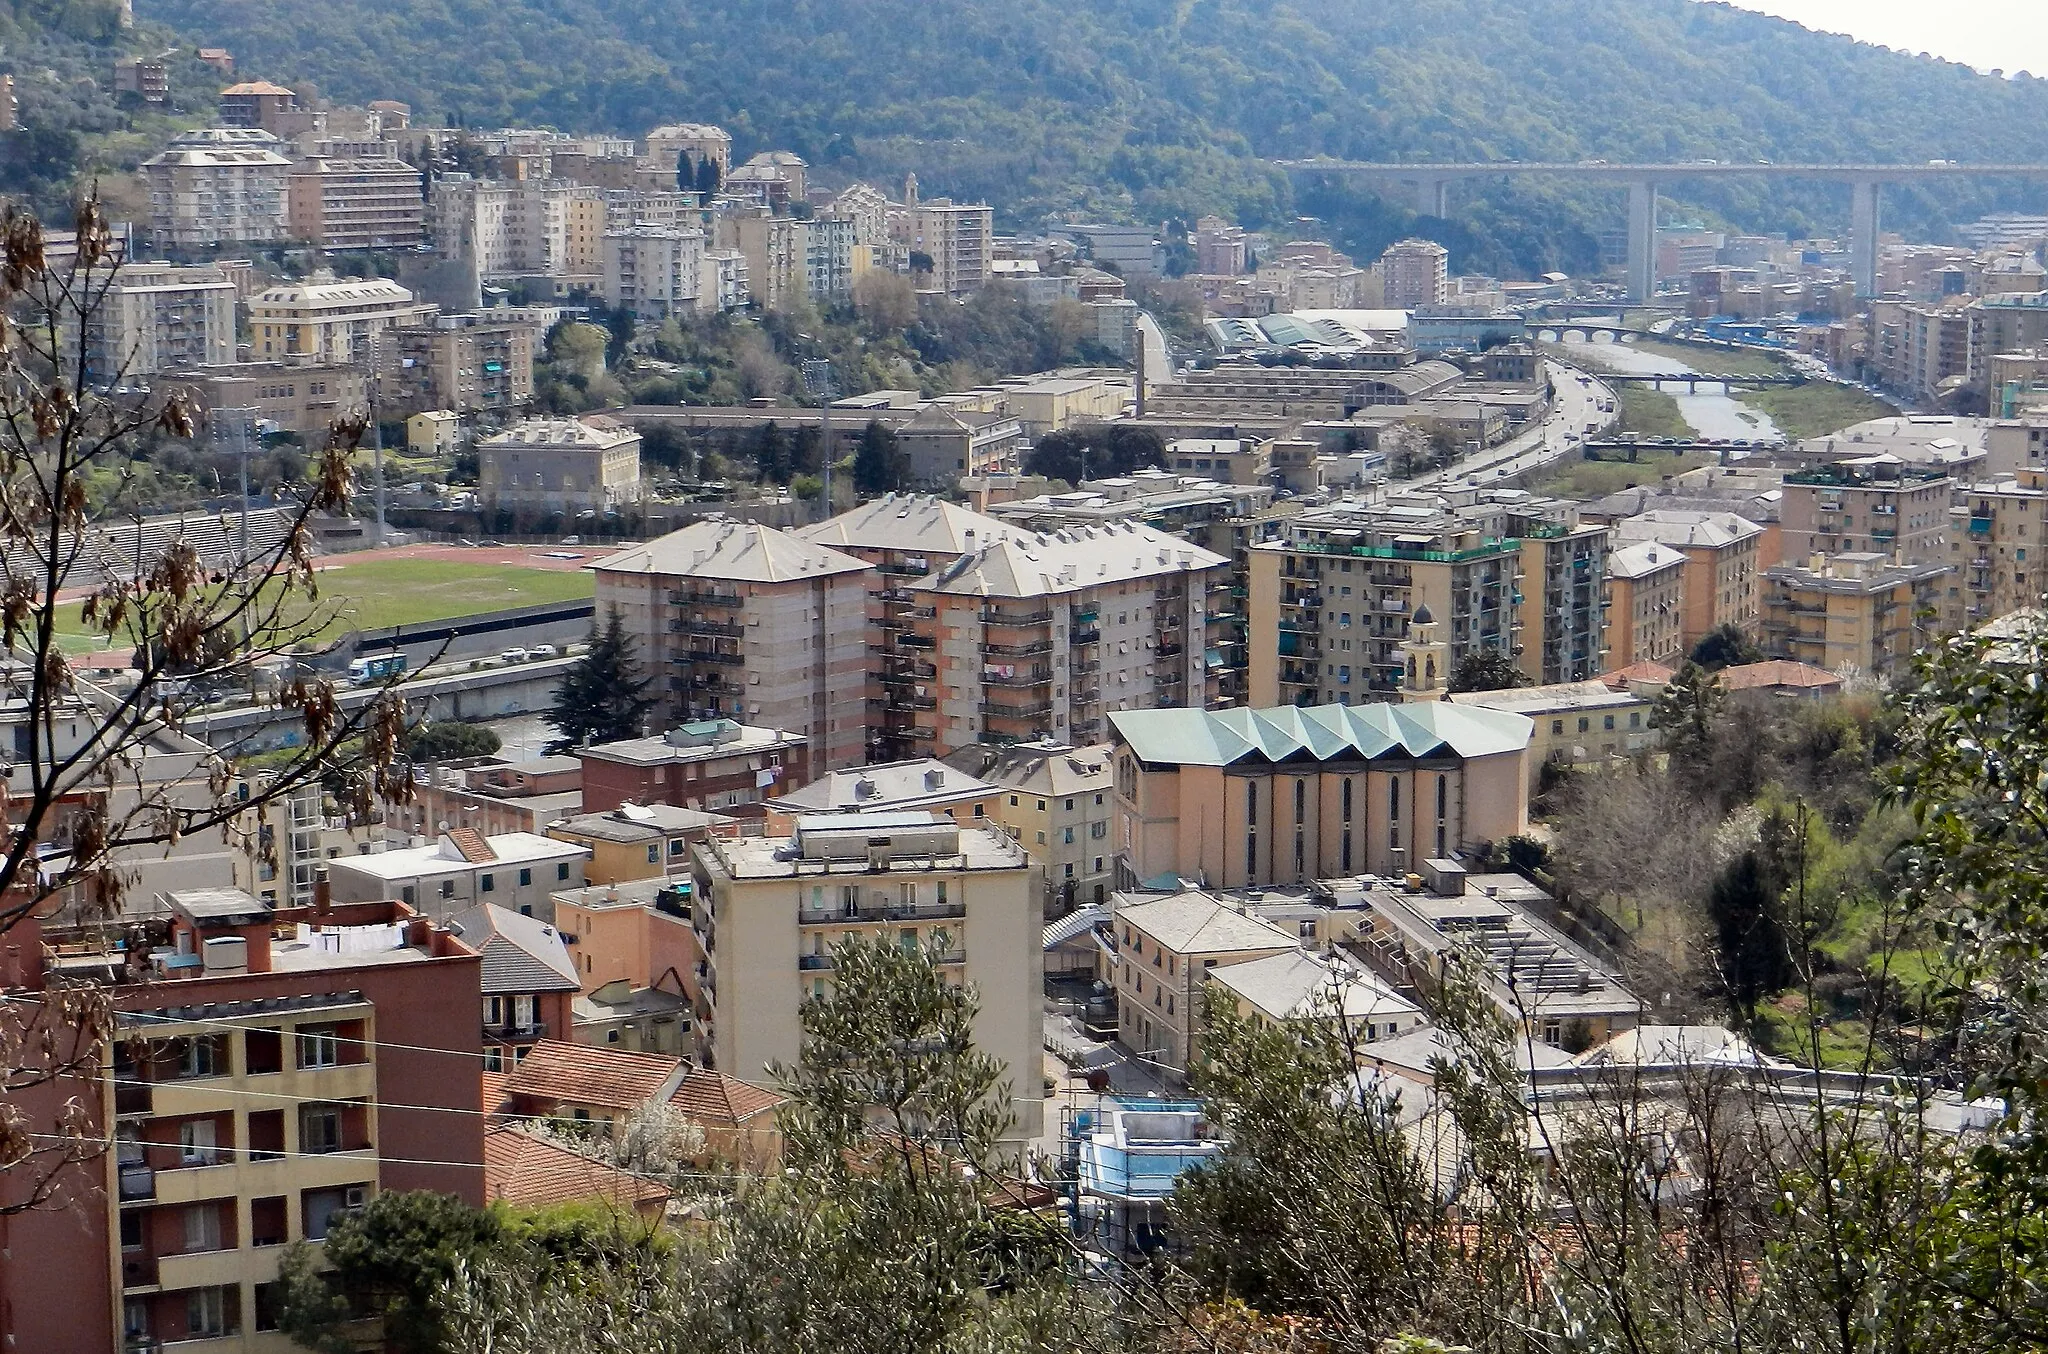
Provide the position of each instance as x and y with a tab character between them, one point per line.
1150	109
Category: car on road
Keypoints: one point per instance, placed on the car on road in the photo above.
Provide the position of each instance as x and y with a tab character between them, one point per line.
540	651
514	655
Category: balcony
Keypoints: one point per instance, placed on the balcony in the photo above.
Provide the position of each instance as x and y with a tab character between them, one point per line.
1035	710
1018	618
1306	599
1171	648
729	600
1090	635
687	656
1034	648
1018	681
891	912
1085	696
698	626
909	641
910	566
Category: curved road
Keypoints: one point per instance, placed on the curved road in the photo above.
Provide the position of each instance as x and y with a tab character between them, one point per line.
1579	395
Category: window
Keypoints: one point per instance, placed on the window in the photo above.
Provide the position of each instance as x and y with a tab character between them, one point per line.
1069	806
1013	801
319	1128
523	1016
1099	829
206	1313
494	1010
447	888
196	1143
1067	837
487	883
1557	728
1041	839
1584	725
1607	723
526	876
203	1057
319	1046
202	1227
654	855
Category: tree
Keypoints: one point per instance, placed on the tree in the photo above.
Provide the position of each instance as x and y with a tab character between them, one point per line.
1095	451
920	263
123	781
391	1261
603	696
771	453
448	739
880	465
707	176
1687	713
686	172
1487	670
1726	646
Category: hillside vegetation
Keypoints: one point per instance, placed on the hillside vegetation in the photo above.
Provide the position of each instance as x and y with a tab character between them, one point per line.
1163	108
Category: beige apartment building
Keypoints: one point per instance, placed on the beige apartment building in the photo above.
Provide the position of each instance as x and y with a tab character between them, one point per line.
773	247
1852	613
218	186
700	141
464	363
328	319
1331	601
357	202
1867	505
1253	798
1166	949
300	399
770	910
1646	605
1564	591
158	318
655	271
738	620
1721	566
559	465
1919	350
1998	550
519	227
960	238
1058	803
1414	273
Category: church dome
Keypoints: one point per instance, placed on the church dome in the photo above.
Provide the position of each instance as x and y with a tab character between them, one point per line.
1423	616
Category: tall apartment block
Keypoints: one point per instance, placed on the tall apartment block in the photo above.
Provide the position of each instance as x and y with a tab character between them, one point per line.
960	238
1332	599
770	910
1721	552
218	186
1646	604
1564	593
357	202
655	271
1414	273
1998	547
1871	505
158	318
272	1070
1854	612
744	622
982	633
465	363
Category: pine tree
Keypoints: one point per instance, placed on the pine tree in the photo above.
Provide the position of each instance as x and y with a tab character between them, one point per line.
878	467
603	696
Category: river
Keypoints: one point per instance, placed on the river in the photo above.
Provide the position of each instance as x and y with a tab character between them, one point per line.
1712	412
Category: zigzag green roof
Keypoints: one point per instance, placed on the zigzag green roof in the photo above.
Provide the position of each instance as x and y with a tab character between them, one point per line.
1320	733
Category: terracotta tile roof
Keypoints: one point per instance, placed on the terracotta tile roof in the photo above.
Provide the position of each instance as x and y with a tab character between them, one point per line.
579	1074
495	1097
522	1169
715	1096
1778	672
1645	671
472	845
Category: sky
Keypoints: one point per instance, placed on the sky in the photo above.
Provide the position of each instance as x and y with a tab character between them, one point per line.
2008	35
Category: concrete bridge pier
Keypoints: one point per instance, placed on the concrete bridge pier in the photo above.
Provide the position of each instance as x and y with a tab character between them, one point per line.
1865	221
1642	241
1433	196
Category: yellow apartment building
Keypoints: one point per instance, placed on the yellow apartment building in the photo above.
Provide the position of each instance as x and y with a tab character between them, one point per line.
1646	605
1853	613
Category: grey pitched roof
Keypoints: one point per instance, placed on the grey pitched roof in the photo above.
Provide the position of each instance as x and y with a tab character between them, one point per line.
521	954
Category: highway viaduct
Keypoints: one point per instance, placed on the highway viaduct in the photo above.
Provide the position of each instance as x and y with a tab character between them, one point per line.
1431	185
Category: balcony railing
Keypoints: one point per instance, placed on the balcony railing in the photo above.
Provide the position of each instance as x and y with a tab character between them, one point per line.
1036	710
724	599
695	626
1037	646
1016	618
893	912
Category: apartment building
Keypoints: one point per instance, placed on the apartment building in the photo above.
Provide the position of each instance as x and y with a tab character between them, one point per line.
527	983
156	318
1646	605
257	104
519	227
713	764
635	841
1166	950
559	465
907	538
832	262
1564	593
329	319
638	933
1588	724
918	785
218	186
960	240
770	910
1998	551
271	1070
357	202
296	398
466	363
1332	599
1248	798
741	621
1057	801
773	248
655	271
1414	274
1856	612
1720	585
1922	351
1221	249
944	444
700	141
1867	505
461	868
1043	635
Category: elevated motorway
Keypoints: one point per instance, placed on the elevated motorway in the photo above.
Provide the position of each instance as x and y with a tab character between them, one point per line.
1431	184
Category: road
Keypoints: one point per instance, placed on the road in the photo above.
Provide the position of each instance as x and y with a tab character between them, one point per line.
1576	405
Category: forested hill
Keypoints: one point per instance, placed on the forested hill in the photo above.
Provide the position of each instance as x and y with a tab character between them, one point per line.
1151	108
